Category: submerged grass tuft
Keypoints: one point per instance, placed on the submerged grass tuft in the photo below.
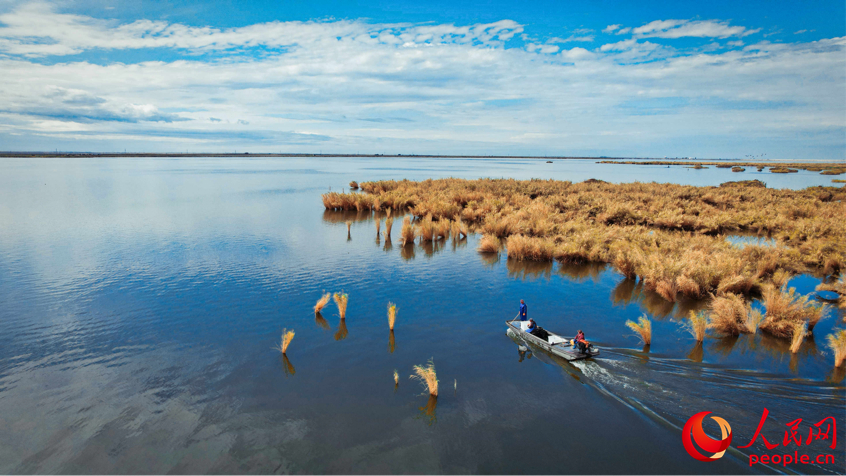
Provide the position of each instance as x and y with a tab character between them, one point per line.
321	303
341	301
489	244
392	314
426	375
800	330
837	343
697	324
643	327
287	337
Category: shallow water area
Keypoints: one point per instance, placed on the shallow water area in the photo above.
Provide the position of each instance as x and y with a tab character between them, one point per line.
140	301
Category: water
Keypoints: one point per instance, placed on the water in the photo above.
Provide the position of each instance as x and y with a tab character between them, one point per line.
140	300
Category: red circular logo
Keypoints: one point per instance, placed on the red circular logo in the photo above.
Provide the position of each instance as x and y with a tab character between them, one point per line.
693	431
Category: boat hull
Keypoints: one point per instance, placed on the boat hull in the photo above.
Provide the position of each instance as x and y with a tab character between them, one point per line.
557	345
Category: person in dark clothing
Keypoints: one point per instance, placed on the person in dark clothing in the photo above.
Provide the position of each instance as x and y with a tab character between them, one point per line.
537	331
524	311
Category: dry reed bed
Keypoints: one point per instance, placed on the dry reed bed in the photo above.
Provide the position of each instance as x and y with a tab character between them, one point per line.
669	236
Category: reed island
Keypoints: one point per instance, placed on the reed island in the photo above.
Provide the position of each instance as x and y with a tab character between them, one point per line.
672	238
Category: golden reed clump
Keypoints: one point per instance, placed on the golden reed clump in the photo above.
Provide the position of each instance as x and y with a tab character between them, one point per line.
341	301
392	315
389	223
408	233
287	337
837	343
643	327
671	237
321	303
426	375
786	308
697	324
489	244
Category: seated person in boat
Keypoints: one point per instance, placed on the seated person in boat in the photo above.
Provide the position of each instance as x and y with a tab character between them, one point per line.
581	343
537	331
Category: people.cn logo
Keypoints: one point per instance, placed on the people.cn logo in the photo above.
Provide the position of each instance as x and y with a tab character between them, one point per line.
693	431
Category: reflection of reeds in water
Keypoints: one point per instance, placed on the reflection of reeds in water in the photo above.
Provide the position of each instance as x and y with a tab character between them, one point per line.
426	375
287	337
837	375
323	323
581	272
428	411
643	327
724	345
287	366
697	353
378	227
624	291
392	315
800	329
528	269
349	225
490	259
407	251
837	343
389	223
392	343
342	330
321	303
341	301
697	324
388	246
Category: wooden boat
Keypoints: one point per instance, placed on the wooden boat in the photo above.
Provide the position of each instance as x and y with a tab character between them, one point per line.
557	345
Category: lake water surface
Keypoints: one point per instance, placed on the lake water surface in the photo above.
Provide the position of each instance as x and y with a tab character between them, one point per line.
140	300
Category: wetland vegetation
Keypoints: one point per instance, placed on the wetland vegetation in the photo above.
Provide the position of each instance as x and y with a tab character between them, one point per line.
670	238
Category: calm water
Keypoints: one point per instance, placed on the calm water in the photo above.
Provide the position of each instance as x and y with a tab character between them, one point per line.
140	300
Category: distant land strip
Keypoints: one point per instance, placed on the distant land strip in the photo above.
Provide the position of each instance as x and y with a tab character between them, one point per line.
824	168
258	154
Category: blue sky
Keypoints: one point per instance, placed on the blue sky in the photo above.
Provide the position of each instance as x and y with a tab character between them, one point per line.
614	78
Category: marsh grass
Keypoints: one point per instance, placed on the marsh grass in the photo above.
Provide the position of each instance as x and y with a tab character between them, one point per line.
287	337
392	315
643	328
341	300
671	237
321	303
389	223
837	343
427	376
785	308
396	378
353	185
800	330
697	324
408	232
489	244
349	226
729	315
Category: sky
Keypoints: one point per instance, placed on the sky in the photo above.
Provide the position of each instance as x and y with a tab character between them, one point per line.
717	79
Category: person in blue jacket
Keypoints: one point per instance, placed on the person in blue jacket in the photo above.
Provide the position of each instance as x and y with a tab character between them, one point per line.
523	311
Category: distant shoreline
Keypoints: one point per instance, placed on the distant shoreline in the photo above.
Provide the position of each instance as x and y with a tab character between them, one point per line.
251	154
603	159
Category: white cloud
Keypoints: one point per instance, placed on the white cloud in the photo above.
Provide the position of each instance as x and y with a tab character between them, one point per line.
688	28
611	28
415	88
